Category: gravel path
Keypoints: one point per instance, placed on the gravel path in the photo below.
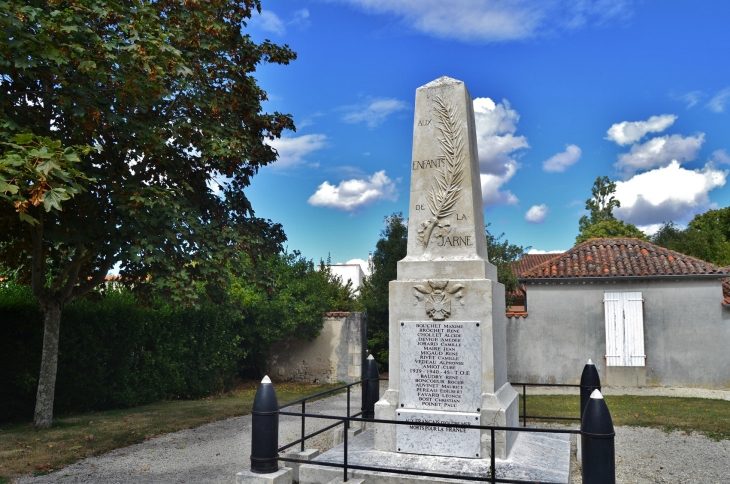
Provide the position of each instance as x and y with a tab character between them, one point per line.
213	453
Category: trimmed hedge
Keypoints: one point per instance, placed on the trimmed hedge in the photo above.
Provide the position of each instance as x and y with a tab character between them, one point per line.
114	353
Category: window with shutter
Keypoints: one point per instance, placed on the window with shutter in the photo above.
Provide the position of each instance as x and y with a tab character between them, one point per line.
624	329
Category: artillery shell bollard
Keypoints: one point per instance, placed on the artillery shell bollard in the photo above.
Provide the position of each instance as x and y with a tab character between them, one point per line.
371	387
589	381
597	442
265	440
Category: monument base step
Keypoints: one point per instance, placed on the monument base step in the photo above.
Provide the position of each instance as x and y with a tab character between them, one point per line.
536	456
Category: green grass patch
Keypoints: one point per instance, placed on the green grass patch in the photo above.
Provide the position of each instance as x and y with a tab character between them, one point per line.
706	416
24	450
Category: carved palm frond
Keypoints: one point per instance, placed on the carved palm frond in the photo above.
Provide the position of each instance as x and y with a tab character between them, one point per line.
448	179
444	194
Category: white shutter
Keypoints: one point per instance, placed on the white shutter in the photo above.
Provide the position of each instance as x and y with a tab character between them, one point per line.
624	329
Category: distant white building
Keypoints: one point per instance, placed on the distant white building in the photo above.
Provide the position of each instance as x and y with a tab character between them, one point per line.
355	271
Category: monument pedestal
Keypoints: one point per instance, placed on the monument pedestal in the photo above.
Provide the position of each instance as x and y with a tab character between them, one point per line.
535	457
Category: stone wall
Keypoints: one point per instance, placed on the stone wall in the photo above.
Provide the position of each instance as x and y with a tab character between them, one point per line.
335	355
686	334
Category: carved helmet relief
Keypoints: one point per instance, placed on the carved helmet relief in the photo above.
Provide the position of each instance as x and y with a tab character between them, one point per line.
438	298
446	191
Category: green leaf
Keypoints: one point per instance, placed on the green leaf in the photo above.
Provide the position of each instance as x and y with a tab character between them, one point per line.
87	65
27	218
7	187
53	198
47	166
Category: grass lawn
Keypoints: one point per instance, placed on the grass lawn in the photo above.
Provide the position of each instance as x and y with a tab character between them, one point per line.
708	417
24	450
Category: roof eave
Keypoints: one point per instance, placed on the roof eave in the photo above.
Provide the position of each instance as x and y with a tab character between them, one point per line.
622	278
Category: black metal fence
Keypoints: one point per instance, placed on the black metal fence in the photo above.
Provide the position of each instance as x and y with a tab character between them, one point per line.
597	436
524	415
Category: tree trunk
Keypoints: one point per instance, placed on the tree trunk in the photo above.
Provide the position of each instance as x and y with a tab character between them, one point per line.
43	418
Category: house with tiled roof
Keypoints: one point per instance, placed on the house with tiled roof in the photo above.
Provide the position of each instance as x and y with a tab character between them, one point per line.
523	265
646	315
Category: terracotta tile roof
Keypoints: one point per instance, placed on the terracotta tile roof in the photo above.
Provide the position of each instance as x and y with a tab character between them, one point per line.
620	257
528	261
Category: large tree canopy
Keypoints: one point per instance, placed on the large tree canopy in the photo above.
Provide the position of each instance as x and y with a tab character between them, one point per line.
164	93
707	237
600	221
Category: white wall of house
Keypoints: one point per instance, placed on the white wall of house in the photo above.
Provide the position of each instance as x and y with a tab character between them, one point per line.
349	272
686	334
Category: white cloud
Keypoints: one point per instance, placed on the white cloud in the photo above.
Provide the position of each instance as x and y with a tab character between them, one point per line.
270	22
692	98
375	112
497	144
719	101
721	156
667	193
537	214
496	20
538	251
650	229
292	150
561	161
299	18
628	132
351	195
659	151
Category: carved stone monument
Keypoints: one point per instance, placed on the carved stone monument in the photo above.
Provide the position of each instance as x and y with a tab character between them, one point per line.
448	360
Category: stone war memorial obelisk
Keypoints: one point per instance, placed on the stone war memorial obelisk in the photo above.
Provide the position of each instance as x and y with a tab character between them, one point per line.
448	349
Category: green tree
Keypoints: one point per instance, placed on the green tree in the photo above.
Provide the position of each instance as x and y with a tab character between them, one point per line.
600	221
609	229
165	91
291	305
503	255
390	248
707	237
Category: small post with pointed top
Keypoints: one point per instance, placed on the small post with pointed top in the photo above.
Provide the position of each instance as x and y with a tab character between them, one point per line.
589	381
597	442
371	387
265	429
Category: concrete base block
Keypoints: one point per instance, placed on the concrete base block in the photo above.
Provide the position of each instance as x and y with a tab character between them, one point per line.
535	456
306	454
339	480
282	476
338	436
500	409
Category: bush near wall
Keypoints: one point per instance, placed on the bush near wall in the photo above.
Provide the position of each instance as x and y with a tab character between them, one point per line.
114	353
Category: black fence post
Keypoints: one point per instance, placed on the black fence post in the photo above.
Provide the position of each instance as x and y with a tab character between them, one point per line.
597	442
265	429
589	381
371	387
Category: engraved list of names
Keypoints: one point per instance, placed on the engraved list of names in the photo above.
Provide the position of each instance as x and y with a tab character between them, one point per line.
440	365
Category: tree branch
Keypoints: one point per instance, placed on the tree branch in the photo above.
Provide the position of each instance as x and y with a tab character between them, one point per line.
73	270
97	278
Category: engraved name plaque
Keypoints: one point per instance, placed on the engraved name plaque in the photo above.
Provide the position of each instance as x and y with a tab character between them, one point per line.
440	365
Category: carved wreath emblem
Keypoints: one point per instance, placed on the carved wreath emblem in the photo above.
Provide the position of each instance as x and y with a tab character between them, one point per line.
443	195
438	298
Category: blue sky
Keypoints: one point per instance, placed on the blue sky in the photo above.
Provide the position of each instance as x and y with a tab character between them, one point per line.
564	92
